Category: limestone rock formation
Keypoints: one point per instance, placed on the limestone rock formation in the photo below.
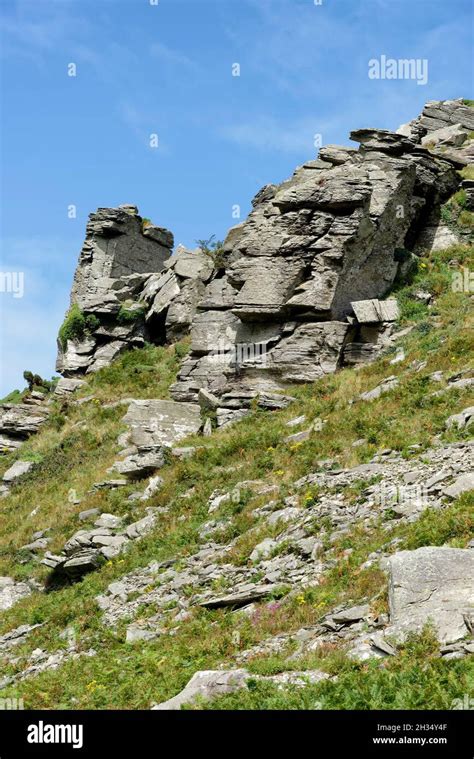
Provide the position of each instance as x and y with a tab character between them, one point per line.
120	252
335	234
297	289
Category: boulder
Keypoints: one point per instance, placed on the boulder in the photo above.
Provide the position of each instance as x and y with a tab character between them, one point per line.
431	584
461	421
17	471
206	684
11	592
462	484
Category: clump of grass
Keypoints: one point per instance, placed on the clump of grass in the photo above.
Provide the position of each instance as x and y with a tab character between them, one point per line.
130	314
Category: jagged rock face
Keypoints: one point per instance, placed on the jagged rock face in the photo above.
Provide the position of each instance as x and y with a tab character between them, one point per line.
117	246
280	309
119	254
445	126
332	235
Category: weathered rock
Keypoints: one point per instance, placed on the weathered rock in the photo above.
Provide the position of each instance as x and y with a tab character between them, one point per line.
158	422
462	484
461	421
206	684
242	598
263	549
431	584
388	384
11	592
119	254
17	471
154	425
66	386
370	311
18	421
209	684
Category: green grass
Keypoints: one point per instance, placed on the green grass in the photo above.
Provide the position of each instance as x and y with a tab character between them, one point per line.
79	442
16	396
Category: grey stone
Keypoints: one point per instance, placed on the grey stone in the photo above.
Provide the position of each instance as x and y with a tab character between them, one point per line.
240	598
263	550
109	520
462	420
84	516
67	386
462	484
388	384
353	614
369	311
11	592
206	684
431	584
17	471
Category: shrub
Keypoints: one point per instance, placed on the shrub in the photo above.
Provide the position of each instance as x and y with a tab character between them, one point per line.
128	315
77	325
214	249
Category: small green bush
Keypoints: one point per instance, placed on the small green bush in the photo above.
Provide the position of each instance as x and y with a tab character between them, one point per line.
77	325
129	315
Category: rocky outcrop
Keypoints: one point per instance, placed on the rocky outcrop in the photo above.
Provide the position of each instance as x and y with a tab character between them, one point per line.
86	550
278	304
445	127
315	254
120	253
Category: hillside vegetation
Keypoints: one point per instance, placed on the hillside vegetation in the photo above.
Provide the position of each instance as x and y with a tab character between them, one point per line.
78	443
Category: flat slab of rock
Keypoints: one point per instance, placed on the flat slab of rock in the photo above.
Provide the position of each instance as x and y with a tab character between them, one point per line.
17	470
434	584
373	311
206	684
461	485
384	387
240	598
158	422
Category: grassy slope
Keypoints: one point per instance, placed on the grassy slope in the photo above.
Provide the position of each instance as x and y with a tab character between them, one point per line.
79	443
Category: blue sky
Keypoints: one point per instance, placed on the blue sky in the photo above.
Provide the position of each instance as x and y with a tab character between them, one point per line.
166	69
